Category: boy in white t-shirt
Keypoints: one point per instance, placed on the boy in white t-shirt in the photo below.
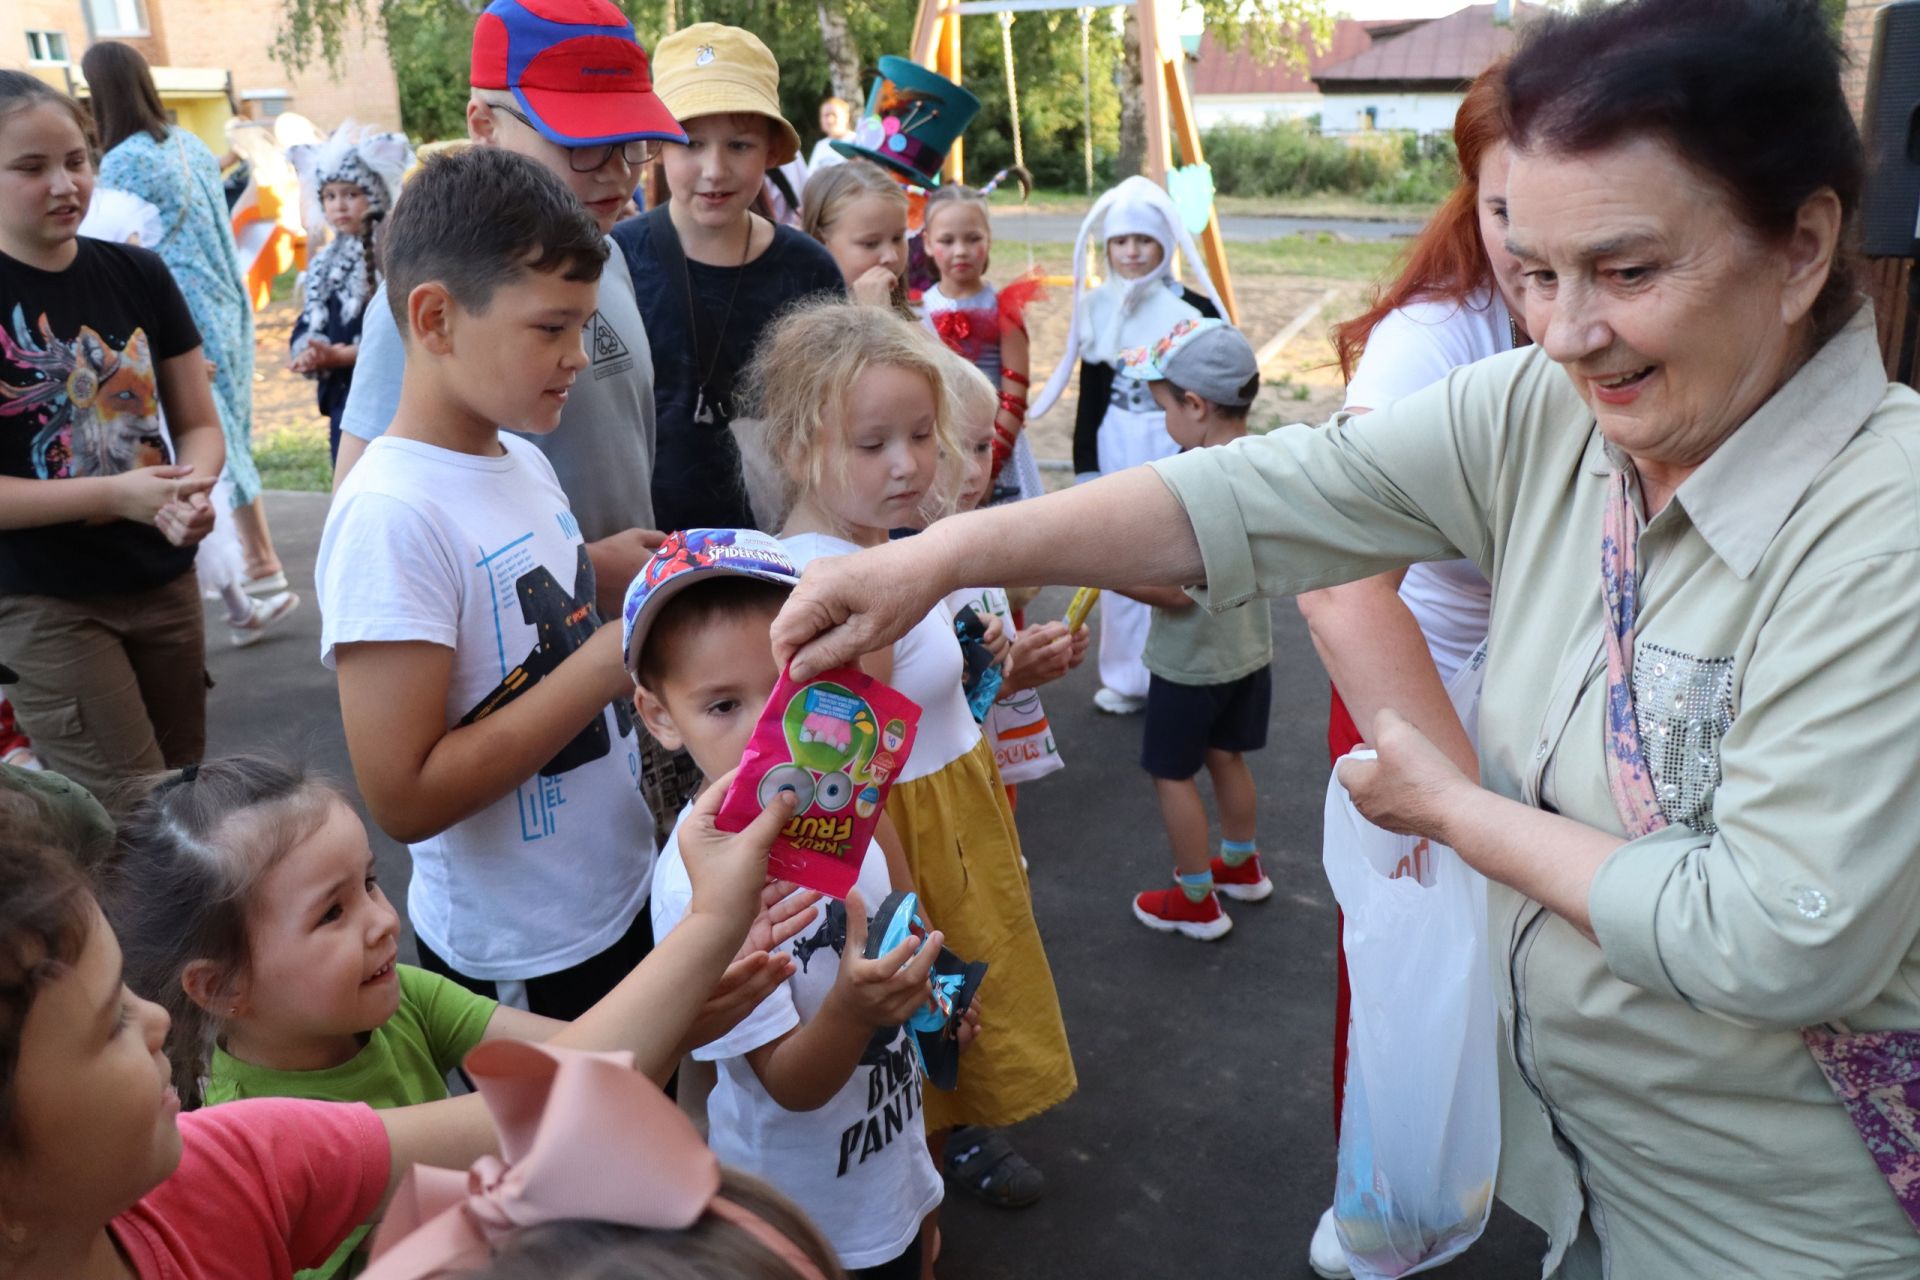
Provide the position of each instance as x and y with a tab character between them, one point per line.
818	1090
485	707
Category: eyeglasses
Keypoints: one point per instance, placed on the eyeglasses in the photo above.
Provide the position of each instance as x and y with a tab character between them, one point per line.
636	151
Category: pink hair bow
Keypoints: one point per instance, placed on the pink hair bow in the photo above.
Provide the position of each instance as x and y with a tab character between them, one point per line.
582	1136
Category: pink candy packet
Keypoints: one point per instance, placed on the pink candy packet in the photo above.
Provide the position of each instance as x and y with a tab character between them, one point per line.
835	742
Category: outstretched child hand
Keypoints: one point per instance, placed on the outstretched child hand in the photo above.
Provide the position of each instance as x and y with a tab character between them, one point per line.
786	912
883	992
784	915
728	869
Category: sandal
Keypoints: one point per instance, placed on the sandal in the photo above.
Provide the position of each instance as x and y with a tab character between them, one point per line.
985	1163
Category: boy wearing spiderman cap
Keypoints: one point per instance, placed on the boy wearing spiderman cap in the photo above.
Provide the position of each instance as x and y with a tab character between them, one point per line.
564	83
817	1091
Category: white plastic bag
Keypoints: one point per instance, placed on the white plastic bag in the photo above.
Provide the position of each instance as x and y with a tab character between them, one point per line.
1420	1124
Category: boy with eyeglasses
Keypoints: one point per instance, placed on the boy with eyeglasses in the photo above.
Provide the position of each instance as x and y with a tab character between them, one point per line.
563	83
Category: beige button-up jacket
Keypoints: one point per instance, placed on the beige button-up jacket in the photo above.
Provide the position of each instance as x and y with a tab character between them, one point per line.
1657	1083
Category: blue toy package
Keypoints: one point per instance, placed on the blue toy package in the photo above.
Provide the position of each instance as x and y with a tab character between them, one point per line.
934	1027
981	676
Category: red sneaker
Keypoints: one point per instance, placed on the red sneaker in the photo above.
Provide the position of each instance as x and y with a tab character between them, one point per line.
14	747
1244	883
1171	911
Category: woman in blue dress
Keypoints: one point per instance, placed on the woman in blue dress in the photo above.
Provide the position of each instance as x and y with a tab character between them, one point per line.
175	172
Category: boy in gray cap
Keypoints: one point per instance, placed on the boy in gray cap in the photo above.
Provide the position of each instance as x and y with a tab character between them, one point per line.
1211	688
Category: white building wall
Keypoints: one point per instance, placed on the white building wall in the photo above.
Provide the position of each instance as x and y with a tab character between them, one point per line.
1255	108
1414	112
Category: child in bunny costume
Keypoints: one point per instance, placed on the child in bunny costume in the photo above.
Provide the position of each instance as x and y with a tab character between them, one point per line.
1116	423
350	182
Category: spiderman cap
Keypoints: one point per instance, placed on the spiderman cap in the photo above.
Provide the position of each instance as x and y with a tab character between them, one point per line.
693	555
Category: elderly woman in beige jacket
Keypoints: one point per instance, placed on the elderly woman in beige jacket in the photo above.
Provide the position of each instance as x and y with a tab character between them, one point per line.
1698	500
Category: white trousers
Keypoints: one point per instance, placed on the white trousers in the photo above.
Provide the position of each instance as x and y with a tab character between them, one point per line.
1128	439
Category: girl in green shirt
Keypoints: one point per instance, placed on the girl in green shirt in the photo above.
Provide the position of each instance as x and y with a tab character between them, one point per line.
247	904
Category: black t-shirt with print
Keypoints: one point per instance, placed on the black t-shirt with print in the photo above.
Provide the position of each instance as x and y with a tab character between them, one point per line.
78	397
696	468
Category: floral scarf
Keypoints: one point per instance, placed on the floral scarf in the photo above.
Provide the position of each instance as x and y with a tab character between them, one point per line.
1874	1074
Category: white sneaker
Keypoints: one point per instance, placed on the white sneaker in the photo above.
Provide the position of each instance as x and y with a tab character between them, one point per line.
23	758
270	584
1324	1254
1118	704
265	614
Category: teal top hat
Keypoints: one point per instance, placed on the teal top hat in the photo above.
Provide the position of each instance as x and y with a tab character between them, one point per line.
911	120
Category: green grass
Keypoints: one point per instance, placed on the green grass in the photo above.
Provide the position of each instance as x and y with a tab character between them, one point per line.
1321	256
294	458
1072	200
1317	255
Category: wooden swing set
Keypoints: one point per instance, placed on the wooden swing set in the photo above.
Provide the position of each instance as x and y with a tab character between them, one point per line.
1169	107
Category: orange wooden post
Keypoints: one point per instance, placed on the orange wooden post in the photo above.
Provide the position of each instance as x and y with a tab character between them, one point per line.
955	169
1212	243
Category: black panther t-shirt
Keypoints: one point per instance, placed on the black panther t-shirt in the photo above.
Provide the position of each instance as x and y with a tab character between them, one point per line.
78	397
696	467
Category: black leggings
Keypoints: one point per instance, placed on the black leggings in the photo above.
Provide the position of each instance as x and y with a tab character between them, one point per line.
904	1267
571	992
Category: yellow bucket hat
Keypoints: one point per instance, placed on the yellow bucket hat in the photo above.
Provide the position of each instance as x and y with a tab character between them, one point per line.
709	69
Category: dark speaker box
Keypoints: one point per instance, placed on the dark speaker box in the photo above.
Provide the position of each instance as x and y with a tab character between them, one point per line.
1891	208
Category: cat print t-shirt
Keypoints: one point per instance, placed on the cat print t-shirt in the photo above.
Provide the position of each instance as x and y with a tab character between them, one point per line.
482	555
78	397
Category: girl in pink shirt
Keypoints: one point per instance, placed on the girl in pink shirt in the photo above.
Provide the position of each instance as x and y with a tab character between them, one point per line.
101	1178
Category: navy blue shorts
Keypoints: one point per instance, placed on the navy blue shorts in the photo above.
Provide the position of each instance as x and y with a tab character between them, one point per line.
1185	721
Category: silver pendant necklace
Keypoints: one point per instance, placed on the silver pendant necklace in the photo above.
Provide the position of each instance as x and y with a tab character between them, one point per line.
702	411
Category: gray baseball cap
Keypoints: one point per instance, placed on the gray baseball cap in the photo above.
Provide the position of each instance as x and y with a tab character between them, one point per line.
1208	357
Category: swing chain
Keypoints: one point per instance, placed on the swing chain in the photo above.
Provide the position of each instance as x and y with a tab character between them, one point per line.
1013	85
1086	89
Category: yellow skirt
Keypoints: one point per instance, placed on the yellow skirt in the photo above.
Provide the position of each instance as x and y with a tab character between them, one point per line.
964	855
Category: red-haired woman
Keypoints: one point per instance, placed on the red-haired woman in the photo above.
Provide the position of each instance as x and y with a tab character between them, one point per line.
1396	640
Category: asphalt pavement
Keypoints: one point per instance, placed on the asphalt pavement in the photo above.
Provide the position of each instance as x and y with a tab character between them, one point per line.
1013	223
1200	1142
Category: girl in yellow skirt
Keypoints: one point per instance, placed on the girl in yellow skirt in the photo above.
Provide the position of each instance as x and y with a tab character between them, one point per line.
855	436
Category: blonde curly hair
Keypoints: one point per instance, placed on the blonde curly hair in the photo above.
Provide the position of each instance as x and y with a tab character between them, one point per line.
797	391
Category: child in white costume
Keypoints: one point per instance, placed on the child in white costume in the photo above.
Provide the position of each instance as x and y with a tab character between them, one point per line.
1116	424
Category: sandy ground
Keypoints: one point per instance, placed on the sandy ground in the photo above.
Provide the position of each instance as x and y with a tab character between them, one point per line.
282	401
1301	384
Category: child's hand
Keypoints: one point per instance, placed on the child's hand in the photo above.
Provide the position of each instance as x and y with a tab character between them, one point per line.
142	494
1044	652
1081	638
729	869
998	642
307	362
784	915
883	992
969	1029
875	287
748	980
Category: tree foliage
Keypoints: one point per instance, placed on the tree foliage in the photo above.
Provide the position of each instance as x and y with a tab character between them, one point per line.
429	41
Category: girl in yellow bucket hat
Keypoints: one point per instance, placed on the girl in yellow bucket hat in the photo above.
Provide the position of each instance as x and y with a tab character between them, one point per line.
708	272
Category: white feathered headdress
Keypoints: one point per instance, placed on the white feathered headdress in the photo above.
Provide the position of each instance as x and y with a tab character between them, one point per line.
372	160
342	272
1137	205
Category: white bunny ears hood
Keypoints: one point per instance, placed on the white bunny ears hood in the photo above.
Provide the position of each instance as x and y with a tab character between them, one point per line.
1137	206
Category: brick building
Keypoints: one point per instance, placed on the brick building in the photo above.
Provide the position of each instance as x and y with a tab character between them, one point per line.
211	59
1858	33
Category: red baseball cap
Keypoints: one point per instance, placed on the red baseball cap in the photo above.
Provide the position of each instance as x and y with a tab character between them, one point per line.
575	70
